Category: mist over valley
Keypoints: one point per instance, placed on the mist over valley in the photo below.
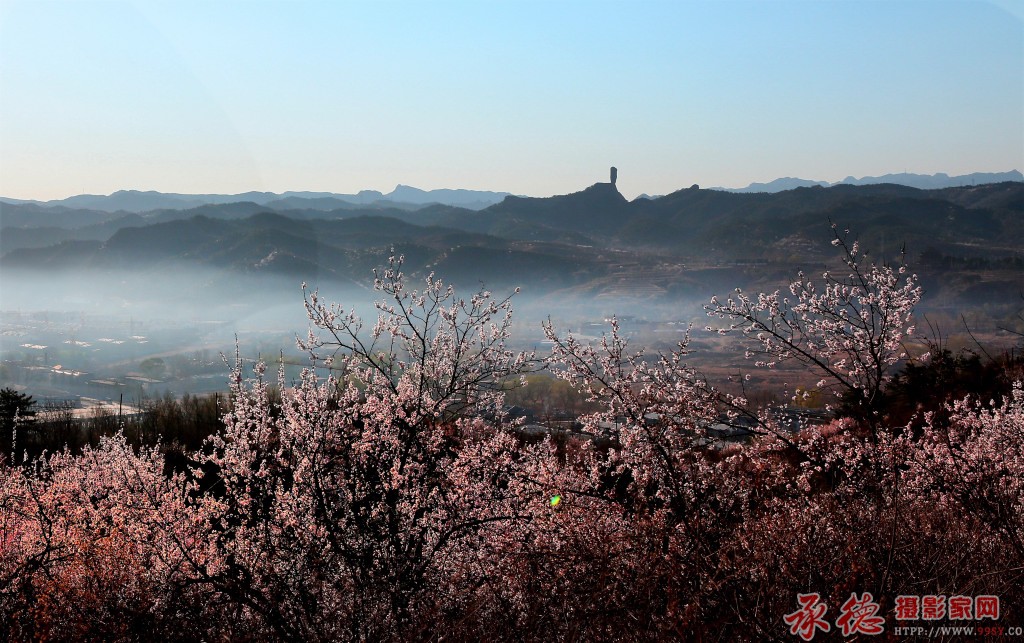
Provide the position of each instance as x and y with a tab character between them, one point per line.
93	287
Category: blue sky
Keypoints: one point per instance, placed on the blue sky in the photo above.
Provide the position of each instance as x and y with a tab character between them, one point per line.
530	97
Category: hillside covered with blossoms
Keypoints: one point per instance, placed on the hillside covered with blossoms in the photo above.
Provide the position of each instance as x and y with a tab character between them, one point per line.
386	494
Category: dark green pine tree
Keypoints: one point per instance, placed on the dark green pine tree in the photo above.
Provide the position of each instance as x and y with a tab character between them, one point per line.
14	405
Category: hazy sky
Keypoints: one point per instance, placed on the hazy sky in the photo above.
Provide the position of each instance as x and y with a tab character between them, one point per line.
534	98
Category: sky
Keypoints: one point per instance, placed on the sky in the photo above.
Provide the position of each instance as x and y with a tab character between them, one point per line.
529	97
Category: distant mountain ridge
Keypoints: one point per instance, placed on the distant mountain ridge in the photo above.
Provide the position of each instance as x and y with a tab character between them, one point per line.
410	198
920	181
144	201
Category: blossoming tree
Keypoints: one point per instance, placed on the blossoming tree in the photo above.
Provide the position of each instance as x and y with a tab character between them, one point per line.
849	328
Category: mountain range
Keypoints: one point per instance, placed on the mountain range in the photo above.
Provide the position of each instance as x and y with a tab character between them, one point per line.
593	242
402	196
922	181
407	197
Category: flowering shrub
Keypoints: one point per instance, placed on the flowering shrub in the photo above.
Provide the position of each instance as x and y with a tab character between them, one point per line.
94	546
